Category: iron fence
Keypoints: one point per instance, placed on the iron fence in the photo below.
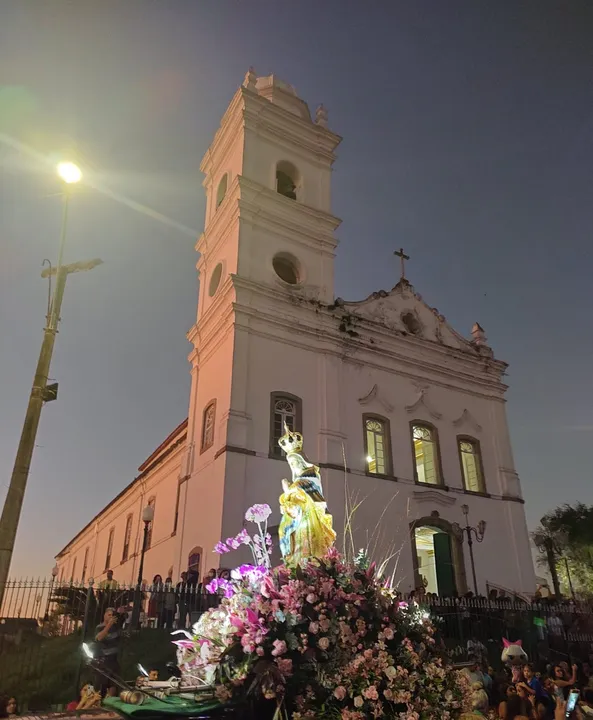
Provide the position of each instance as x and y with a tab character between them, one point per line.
44	623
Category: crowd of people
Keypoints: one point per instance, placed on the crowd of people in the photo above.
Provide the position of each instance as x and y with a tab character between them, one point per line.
167	604
529	692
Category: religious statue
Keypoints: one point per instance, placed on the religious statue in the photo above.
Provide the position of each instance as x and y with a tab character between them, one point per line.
306	527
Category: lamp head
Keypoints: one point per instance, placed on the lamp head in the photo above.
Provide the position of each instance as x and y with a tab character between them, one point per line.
54	571
69	172
148	514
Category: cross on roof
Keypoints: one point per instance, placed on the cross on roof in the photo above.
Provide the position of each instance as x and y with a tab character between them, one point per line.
402	257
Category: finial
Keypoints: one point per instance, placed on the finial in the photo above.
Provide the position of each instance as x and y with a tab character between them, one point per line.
250	80
321	116
479	335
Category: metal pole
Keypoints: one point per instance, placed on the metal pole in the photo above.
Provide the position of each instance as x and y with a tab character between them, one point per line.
11	513
470	543
137	595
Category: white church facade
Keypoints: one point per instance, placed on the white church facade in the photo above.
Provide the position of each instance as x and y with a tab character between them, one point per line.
405	417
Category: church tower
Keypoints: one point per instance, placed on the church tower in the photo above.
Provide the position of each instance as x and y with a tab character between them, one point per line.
268	244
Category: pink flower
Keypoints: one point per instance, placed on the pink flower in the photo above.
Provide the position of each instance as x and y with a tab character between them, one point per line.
340	692
311	598
323	643
279	648
258	513
371	693
387	694
314	628
389	634
243	538
285	666
358	701
221	548
232	543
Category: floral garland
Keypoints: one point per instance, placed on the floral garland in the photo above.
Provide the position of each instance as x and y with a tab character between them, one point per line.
327	640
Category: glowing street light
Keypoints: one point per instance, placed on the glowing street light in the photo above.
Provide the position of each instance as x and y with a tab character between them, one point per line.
69	172
41	392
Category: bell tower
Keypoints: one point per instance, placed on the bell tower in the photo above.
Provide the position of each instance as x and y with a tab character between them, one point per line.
268	243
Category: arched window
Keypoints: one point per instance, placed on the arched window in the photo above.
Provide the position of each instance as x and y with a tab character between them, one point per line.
84	565
208	420
287	178
127	538
221	192
151	503
376	445
285	408
426	454
470	458
109	548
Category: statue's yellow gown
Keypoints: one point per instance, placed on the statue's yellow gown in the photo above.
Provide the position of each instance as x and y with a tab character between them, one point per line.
306	528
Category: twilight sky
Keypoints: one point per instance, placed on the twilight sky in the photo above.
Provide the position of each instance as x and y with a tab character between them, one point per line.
468	139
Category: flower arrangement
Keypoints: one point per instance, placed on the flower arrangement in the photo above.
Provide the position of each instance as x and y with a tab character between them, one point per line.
327	639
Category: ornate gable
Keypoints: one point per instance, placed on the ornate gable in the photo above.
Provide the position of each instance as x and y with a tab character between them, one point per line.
403	311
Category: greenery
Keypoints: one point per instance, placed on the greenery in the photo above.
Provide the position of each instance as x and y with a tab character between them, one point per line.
41	671
570	529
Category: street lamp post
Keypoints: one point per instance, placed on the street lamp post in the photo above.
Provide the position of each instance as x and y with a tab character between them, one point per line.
41	392
54	574
147	518
471	533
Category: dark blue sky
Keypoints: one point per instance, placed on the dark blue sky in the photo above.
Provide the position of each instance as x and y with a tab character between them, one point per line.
468	139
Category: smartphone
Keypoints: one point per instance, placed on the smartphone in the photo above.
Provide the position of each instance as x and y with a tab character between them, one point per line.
572	702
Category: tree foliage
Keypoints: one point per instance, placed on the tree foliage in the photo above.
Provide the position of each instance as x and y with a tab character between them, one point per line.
570	527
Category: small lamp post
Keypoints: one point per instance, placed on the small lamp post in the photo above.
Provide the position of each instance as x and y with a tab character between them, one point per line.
147	518
471	533
54	574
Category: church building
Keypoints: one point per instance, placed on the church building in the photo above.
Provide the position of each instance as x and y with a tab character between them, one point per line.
403	414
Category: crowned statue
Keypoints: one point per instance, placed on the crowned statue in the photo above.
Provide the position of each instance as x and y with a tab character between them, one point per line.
306	529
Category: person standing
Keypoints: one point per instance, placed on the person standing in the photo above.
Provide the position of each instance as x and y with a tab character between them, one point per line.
108	638
181	591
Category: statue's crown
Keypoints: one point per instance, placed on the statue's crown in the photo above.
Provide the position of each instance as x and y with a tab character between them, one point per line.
291	441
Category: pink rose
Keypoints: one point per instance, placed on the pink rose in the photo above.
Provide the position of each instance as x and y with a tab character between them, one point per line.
311	598
389	634
358	701
285	666
323	643
388	695
371	693
279	648
314	628
340	692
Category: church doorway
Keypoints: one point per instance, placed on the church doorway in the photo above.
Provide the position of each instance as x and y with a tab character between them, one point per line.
438	558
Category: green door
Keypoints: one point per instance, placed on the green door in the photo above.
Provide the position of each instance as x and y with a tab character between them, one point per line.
444	565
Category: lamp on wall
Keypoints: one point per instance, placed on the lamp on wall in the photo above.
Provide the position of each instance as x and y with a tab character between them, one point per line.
147	518
471	533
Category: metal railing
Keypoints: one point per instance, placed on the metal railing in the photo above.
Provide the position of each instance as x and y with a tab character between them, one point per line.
43	625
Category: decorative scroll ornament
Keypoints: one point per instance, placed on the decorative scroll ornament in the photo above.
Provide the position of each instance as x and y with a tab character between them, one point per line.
306	529
467	418
421	400
375	394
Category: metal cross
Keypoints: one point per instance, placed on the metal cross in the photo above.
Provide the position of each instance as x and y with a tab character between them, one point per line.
402	257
